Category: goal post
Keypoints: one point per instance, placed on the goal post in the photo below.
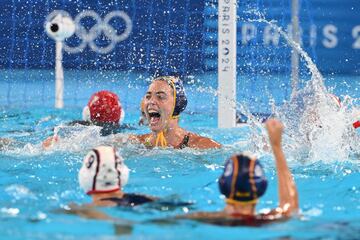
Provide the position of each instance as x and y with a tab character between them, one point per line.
226	63
227	59
295	34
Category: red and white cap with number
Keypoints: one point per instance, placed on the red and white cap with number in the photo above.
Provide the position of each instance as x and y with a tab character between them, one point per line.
103	171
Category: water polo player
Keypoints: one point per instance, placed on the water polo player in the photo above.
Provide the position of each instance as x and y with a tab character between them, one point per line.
103	109
243	182
164	101
103	175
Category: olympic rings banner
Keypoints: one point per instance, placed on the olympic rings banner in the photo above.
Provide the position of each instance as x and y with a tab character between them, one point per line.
101	26
141	35
175	36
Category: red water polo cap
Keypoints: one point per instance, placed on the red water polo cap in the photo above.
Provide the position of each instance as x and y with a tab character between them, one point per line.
104	107
356	124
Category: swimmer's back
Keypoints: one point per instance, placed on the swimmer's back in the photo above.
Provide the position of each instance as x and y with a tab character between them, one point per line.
107	128
130	199
223	219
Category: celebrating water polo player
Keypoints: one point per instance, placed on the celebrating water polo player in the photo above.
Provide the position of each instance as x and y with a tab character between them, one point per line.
163	103
243	182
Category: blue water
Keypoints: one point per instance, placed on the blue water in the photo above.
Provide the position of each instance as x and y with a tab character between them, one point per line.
35	183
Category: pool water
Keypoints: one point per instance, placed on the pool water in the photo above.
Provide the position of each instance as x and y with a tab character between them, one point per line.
35	183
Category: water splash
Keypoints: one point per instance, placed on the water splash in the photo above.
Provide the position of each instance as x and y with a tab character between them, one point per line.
317	126
18	192
257	139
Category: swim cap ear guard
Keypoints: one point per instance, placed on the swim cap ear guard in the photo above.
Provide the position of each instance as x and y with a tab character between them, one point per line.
181	99
103	171
243	179
122	116
86	114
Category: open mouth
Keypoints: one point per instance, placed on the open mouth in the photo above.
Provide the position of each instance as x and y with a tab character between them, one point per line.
154	117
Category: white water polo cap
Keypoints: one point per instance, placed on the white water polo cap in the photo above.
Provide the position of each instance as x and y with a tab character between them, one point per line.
103	171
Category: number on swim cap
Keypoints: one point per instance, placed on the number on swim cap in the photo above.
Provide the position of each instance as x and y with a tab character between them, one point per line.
90	159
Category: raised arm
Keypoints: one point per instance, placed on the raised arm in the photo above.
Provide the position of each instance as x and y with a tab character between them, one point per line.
288	195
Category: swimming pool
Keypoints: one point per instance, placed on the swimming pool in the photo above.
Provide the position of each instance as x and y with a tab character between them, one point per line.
34	184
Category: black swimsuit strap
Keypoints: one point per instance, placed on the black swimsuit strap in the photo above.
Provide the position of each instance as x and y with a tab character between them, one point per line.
184	142
130	199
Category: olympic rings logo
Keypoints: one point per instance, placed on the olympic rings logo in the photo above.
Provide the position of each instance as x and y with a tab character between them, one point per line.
88	36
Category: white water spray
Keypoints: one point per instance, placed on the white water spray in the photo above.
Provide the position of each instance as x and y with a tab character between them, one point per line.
317	127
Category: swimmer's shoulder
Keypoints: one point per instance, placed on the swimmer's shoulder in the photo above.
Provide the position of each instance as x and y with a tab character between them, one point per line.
200	142
143	139
140	138
278	214
132	138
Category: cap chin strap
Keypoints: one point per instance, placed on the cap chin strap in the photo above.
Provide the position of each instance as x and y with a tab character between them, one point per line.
174	103
235	202
160	137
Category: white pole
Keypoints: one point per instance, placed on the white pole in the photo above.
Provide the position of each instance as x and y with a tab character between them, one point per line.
296	38
227	63
59	76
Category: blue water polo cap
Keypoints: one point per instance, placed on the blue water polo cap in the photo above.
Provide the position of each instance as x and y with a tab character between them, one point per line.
179	92
243	180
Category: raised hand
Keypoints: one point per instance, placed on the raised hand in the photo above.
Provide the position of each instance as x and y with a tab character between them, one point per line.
275	130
